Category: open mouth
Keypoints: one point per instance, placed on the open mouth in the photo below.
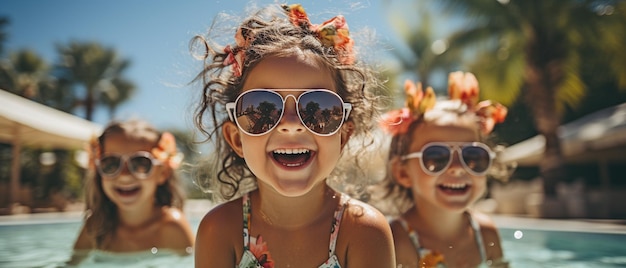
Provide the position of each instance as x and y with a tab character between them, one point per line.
291	157
454	188
128	191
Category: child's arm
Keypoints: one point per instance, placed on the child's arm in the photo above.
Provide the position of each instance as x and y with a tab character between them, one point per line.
370	238
218	237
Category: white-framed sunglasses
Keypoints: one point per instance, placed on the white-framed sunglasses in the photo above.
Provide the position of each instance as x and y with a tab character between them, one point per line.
140	164
257	111
436	157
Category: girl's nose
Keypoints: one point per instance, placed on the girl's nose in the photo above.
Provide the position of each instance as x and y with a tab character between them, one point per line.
125	171
290	122
456	167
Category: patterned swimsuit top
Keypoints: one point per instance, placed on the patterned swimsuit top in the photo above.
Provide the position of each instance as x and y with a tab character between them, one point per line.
255	249
435	259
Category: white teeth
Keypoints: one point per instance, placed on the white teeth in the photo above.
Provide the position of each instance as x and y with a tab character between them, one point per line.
291	151
454	185
127	188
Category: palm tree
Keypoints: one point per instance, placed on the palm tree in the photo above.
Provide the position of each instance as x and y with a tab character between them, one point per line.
94	68
533	48
427	53
4	21
23	73
115	93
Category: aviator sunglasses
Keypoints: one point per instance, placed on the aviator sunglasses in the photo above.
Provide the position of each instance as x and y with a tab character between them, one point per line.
436	157
258	111
140	164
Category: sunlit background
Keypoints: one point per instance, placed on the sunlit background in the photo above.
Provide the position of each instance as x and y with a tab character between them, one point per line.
68	67
560	68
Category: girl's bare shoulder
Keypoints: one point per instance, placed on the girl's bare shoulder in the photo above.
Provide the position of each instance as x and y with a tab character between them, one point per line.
219	240
175	230
222	221
368	236
361	213
486	223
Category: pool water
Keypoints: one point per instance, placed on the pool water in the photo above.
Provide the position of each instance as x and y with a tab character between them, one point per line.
49	244
541	248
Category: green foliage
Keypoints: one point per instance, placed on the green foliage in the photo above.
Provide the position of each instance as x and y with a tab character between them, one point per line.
97	70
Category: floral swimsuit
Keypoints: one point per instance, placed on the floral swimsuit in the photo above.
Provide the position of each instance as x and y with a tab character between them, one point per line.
432	258
255	253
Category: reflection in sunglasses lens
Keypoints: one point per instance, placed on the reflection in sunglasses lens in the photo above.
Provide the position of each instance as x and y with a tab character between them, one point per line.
140	165
321	112
476	158
110	164
435	158
257	112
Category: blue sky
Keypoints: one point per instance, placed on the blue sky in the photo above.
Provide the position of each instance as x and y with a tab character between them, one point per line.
154	35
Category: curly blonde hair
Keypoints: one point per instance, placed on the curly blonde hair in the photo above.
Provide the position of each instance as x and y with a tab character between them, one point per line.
270	34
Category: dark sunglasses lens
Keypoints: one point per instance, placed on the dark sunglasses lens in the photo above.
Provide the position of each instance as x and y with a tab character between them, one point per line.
476	158
109	165
321	111
435	158
257	112
140	165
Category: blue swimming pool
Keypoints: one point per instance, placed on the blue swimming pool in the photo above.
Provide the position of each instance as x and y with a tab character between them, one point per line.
48	243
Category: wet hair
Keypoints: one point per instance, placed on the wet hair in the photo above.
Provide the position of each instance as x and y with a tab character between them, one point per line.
102	218
444	113
271	34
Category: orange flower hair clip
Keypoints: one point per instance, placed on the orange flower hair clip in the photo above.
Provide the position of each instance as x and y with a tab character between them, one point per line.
461	86
464	87
236	55
166	151
417	103
332	33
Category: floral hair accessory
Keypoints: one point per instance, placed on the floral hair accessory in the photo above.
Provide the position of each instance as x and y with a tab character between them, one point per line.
464	87
332	33
461	86
490	113
417	103
166	151
235	59
235	55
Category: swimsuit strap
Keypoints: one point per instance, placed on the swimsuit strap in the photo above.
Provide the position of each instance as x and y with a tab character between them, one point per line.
334	232
478	237
412	233
475	226
246	221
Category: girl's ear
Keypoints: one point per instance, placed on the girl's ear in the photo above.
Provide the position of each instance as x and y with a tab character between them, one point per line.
233	137
400	174
346	131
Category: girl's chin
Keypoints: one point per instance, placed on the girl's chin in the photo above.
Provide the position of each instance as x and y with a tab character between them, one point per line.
455	202
292	187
